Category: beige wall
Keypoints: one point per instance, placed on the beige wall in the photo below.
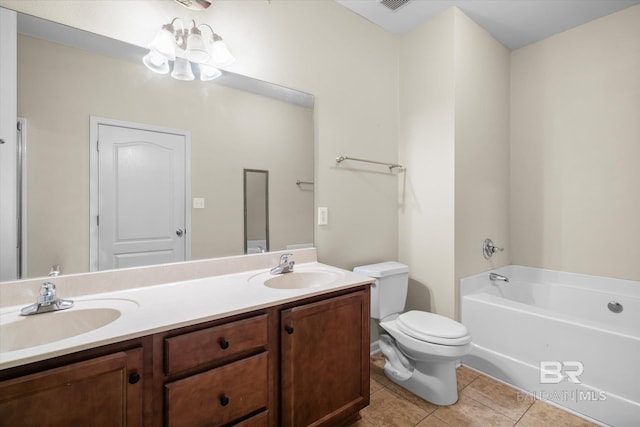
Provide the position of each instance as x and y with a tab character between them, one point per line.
453	132
575	149
427	149
230	130
481	150
319	47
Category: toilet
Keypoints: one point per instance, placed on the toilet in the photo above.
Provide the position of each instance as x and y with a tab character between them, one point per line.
422	349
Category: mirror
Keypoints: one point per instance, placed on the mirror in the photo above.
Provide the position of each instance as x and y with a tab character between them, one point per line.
256	211
235	122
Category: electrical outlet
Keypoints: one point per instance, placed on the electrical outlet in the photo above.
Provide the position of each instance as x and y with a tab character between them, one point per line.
198	203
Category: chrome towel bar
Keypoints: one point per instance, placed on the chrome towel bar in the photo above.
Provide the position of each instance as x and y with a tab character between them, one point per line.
391	166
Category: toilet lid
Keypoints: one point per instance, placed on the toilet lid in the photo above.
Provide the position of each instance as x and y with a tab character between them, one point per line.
431	327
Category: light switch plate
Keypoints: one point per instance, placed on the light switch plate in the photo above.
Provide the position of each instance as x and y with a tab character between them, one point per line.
323	216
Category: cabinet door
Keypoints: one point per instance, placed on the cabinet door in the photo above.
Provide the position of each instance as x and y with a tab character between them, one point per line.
325	361
105	391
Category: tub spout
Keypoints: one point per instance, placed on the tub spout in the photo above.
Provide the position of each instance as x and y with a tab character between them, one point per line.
498	277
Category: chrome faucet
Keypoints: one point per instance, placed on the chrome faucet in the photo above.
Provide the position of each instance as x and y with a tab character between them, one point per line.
498	277
285	266
55	270
47	301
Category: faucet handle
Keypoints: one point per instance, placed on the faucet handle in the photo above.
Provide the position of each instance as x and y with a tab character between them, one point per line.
47	293
284	258
488	248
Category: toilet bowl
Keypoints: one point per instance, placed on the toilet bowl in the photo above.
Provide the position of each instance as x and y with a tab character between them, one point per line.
421	349
434	363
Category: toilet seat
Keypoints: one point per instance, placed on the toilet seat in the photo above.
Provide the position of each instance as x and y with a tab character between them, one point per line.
441	330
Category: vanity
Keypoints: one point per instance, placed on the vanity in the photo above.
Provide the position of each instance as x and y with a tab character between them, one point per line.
235	346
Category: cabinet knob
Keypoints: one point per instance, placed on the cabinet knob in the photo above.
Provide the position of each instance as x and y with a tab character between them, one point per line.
289	329
134	377
224	344
224	400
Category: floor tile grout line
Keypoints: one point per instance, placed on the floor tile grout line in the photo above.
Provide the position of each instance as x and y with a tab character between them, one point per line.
497	410
433	412
428	414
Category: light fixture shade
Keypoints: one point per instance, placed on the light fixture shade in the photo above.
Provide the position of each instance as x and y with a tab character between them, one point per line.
220	55
196	48
165	42
182	70
209	72
156	62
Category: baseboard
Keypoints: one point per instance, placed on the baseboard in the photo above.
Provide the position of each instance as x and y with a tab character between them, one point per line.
375	348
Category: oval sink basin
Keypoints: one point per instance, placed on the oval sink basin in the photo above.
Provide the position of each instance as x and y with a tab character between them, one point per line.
302	279
20	332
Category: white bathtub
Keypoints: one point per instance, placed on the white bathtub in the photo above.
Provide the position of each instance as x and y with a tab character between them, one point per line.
560	321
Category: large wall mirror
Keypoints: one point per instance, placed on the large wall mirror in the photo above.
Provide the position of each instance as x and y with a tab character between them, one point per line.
61	86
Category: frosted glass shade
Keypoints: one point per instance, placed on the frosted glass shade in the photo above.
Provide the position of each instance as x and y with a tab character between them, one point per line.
196	48
220	55
156	62
209	72
165	43
182	70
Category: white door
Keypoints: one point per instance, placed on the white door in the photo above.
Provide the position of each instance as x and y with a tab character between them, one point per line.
142	195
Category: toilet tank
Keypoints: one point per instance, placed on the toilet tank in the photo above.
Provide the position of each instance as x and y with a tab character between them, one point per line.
389	292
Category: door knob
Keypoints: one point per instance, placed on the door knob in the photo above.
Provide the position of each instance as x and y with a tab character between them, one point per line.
179	232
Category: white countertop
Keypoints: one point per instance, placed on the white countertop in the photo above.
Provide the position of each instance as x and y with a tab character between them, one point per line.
152	309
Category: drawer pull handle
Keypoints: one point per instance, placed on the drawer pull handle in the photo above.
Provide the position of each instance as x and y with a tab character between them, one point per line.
224	344
224	400
289	329
134	377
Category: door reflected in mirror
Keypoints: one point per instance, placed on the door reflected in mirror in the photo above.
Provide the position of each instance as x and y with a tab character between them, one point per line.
256	211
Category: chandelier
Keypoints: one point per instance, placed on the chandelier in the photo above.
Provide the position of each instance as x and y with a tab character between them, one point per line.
187	46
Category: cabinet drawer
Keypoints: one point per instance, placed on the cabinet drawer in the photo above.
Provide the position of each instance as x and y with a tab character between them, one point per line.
259	420
218	396
212	344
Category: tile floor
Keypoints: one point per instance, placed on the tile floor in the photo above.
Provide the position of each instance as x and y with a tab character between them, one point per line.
483	402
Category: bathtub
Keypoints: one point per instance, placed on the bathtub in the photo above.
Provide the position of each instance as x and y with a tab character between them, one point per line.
552	335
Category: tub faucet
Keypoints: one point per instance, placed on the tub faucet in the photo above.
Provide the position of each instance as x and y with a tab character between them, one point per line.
285	266
498	277
47	301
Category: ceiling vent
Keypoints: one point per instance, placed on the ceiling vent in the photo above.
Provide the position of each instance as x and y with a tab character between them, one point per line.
394	4
195	4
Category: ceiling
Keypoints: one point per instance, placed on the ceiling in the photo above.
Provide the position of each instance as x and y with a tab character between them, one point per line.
515	23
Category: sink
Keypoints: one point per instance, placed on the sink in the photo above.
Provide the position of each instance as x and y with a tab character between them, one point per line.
20	332
300	280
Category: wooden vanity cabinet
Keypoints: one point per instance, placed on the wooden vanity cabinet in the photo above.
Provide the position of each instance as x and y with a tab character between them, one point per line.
312	354
102	391
324	364
304	363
